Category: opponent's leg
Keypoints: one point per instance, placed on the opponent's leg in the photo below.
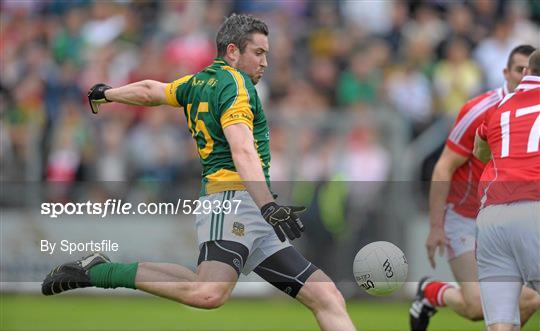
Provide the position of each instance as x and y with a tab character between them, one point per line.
460	234
529	303
421	309
290	272
503	327
465	300
500	304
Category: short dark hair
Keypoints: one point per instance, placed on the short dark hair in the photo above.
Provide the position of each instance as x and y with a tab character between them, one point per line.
534	63
237	29
521	49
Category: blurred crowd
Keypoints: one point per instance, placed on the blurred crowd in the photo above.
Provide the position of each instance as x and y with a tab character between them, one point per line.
414	60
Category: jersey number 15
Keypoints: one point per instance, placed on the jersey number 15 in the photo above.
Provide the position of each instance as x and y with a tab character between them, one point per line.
200	127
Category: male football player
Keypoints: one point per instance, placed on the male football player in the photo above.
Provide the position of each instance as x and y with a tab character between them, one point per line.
508	225
225	118
454	205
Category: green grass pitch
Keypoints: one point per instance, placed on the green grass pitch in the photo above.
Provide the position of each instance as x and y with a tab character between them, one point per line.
70	312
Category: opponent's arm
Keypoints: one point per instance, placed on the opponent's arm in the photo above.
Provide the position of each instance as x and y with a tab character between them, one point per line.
481	149
448	163
142	93
248	164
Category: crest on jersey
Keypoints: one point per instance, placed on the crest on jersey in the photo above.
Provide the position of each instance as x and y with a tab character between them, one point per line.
238	229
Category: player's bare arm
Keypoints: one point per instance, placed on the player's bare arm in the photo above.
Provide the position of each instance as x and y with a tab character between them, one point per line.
283	219
481	149
447	164
142	93
248	163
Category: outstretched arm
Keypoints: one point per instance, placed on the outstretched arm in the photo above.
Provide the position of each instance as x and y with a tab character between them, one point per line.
142	93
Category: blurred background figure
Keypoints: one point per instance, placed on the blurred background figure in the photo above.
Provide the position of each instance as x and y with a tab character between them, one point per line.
456	78
359	96
423	59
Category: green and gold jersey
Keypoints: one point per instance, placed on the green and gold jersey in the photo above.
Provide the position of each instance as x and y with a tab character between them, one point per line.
213	99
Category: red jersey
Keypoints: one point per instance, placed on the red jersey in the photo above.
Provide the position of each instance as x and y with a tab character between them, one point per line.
464	185
513	134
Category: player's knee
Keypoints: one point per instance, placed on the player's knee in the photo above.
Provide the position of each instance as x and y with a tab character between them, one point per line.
325	296
473	308
212	301
209	295
535	303
332	298
474	311
475	314
529	300
212	296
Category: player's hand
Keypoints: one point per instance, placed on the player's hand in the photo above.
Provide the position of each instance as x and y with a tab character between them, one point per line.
436	238
96	96
284	220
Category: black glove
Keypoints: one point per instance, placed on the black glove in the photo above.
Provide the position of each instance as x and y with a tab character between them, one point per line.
284	220
96	96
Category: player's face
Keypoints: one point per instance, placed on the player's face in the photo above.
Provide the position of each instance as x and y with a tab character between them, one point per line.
253	60
514	74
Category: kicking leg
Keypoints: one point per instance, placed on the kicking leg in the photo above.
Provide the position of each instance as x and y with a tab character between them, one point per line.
220	263
209	288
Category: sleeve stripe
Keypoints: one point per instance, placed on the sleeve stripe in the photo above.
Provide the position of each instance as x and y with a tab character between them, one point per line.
461	127
458	148
170	90
242	97
236	121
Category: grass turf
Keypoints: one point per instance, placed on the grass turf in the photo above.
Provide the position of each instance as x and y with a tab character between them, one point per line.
24	312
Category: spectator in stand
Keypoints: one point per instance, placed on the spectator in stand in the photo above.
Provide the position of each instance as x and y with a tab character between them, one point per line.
359	83
491	52
460	25
456	78
409	93
47	46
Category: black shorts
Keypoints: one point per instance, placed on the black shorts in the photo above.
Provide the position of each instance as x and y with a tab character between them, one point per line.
228	252
286	269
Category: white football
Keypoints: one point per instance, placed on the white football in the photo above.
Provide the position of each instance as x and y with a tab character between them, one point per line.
380	268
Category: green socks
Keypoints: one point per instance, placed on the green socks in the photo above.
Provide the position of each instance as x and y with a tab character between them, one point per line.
113	275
